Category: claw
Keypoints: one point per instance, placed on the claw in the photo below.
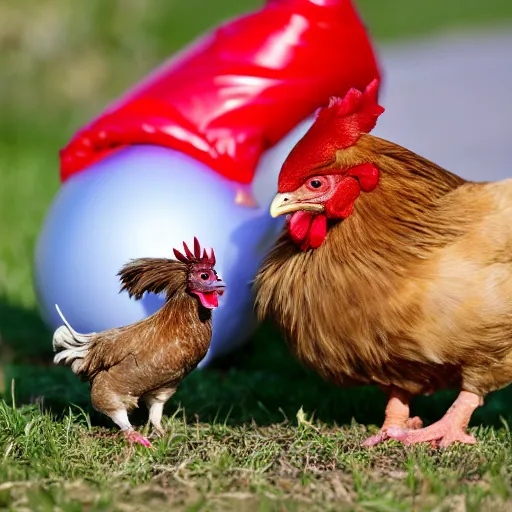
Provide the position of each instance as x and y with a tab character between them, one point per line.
158	432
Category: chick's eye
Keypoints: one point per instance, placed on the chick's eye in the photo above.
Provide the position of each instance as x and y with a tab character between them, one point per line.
315	183
205	276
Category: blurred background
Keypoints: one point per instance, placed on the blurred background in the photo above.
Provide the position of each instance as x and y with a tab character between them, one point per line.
61	63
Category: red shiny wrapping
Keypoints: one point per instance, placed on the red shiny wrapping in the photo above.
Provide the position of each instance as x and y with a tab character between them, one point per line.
237	91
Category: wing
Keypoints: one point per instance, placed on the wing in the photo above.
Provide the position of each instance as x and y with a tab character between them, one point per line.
466	285
110	348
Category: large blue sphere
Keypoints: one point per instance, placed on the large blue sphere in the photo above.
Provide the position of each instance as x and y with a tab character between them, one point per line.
141	202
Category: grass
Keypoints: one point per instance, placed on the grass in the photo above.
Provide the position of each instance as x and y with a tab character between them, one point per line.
291	465
258	432
239	434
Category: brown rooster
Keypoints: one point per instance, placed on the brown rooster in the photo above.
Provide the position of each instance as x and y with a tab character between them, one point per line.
391	271
149	358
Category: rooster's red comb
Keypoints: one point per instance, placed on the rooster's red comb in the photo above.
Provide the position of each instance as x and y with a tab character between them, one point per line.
195	257
339	125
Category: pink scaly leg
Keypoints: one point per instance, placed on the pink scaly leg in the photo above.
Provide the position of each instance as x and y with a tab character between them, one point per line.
397	417
451	428
120	418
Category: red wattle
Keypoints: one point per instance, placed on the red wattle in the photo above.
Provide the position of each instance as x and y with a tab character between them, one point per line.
299	226
238	90
307	229
318	231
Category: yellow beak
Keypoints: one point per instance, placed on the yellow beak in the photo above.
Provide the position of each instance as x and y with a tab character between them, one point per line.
288	203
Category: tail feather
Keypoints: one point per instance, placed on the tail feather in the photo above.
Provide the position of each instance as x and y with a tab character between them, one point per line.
71	346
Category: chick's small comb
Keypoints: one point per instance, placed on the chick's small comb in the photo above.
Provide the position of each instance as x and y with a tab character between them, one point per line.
338	125
195	257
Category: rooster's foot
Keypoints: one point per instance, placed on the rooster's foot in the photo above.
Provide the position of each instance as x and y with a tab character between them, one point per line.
442	434
380	437
451	428
134	437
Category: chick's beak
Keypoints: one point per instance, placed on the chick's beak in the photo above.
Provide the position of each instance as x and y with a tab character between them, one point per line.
220	287
291	202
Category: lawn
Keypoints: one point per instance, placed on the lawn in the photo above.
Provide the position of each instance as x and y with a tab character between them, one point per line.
256	432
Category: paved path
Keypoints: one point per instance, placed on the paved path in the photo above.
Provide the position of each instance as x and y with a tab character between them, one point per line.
450	100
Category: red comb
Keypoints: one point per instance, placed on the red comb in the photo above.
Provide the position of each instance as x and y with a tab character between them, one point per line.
355	114
339	125
195	257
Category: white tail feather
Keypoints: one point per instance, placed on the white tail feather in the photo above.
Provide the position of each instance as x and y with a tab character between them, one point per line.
71	346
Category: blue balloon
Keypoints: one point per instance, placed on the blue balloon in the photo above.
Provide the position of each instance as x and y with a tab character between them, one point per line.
143	201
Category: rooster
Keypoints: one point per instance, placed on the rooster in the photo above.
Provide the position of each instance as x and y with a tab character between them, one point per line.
391	271
147	359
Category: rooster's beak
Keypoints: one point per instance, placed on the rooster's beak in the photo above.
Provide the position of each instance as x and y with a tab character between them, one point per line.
290	202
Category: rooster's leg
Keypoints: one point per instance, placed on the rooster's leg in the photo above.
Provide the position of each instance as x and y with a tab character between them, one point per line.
397	417
449	429
155	403
120	418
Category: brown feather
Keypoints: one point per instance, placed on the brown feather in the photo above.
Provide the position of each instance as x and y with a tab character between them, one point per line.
154	275
413	290
155	353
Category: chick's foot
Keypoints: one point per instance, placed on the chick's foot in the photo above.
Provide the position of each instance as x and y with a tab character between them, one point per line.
134	437
451	428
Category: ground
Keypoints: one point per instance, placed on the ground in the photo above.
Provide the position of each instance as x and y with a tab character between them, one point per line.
256	432
291	465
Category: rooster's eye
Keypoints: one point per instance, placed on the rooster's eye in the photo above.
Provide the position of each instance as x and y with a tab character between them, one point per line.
315	183
205	276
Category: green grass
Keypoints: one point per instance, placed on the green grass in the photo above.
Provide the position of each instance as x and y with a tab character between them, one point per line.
234	441
290	465
257	433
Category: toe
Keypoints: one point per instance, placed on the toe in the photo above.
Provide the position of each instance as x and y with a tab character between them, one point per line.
376	439
134	437
397	433
456	437
384	435
144	442
414	423
424	435
140	439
